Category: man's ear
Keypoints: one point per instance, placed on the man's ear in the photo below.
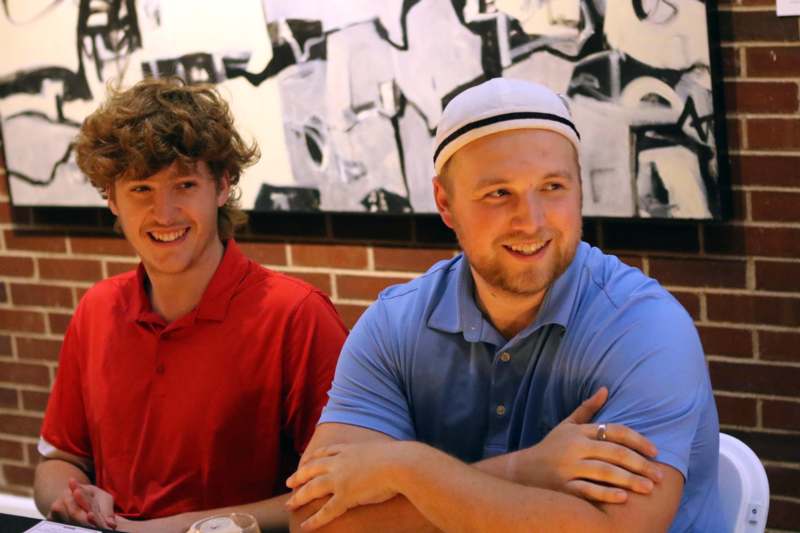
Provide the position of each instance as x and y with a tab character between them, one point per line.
112	204
442	200
223	189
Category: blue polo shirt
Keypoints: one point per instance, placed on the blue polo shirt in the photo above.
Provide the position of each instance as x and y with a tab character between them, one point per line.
424	364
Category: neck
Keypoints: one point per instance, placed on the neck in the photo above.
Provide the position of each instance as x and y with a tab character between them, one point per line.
174	295
509	312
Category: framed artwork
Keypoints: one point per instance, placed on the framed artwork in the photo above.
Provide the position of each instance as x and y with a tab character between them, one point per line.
343	97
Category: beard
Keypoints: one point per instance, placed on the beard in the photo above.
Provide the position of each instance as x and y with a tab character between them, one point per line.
526	280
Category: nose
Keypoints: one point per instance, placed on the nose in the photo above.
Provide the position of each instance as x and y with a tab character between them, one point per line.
164	206
528	213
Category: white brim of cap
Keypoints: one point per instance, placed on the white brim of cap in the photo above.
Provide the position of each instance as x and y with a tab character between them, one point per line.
515	124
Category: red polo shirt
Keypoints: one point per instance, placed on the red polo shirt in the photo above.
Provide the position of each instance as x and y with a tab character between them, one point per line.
207	411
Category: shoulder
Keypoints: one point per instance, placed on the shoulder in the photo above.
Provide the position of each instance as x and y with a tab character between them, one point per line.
110	293
425	287
624	293
622	318
264	291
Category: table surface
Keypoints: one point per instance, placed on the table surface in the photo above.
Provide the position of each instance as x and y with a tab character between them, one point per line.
17	524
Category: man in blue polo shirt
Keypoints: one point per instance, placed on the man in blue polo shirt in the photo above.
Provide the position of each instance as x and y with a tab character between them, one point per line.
501	356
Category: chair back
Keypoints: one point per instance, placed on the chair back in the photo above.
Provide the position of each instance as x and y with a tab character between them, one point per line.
743	486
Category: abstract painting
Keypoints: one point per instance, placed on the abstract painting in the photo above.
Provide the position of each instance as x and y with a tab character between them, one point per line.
344	97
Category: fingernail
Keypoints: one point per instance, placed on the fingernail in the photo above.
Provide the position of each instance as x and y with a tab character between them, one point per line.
621	494
647	485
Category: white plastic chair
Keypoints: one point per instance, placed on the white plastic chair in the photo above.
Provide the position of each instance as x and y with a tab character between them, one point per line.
743	487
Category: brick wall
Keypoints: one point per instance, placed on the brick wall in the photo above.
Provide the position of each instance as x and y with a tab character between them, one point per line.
740	280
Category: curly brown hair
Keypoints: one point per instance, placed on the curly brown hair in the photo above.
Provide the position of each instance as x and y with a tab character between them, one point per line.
157	122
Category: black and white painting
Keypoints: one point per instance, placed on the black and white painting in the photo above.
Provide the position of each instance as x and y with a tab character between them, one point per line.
344	97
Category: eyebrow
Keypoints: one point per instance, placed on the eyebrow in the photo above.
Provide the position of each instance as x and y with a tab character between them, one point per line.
491	181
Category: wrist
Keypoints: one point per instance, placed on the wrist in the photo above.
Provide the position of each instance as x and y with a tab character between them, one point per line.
402	464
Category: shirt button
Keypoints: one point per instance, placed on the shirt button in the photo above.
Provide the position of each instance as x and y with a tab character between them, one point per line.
501	410
505	357
160	368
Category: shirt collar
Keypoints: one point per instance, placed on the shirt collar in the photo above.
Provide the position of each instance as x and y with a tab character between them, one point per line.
458	312
213	304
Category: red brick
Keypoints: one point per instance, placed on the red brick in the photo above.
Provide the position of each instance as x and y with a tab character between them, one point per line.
79	292
58	322
773	61
733	129
8	397
755	378
693	272
769	170
5	211
33	454
632	260
409	259
44	295
761	97
10	449
101	245
736	411
320	281
25	425
47	349
731	62
778	276
70	269
771	310
779	345
16	266
783	514
363	287
783	480
775	206
114	268
5	345
34	241
773	134
350	313
34	400
14	320
265	253
27	373
750	240
690	301
18	475
781	414
756	26
727	342
332	256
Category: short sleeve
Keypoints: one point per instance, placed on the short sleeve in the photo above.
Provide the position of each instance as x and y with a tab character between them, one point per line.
65	428
315	337
658	381
368	386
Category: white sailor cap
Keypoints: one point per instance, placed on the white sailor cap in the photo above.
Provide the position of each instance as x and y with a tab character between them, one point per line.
496	105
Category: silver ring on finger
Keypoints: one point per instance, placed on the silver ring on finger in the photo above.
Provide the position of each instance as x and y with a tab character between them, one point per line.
602	430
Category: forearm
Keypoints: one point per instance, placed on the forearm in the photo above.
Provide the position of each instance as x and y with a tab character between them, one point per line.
456	497
393	516
50	480
270	514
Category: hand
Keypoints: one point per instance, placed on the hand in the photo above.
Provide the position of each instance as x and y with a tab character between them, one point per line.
570	459
84	504
353	474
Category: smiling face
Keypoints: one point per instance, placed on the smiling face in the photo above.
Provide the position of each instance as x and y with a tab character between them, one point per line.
170	219
514	201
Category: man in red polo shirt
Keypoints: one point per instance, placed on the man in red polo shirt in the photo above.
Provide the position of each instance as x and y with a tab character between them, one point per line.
190	386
